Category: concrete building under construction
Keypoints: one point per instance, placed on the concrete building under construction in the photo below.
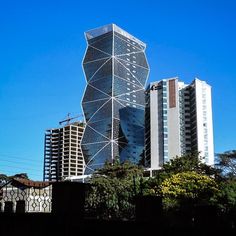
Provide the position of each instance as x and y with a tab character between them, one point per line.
63	157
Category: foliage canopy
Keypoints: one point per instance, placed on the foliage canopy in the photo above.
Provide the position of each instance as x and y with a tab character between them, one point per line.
189	185
113	189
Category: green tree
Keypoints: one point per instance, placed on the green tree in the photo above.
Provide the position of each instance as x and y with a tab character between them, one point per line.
113	189
120	170
188	162
151	186
225	198
188	186
227	164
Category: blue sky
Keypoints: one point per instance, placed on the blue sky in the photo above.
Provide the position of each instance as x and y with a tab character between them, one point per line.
42	45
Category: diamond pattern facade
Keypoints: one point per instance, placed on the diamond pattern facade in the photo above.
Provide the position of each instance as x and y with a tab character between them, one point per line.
116	71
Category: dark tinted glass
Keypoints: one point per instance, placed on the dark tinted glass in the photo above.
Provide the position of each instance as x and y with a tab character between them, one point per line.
104	85
91	68
90	108
93	54
104	44
92	94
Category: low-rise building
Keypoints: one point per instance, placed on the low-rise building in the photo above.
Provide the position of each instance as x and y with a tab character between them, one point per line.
23	195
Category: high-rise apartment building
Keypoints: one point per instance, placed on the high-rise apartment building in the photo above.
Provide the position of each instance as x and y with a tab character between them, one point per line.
116	71
62	152
178	121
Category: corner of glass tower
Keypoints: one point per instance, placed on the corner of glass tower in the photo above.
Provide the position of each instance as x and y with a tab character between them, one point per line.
93	33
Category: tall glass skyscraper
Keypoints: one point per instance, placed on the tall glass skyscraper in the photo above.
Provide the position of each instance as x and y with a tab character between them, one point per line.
116	71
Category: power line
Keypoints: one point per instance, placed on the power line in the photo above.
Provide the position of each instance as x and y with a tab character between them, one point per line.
22	168
13	172
19	162
4	172
18	157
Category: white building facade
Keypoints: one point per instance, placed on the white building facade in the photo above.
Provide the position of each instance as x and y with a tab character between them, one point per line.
178	121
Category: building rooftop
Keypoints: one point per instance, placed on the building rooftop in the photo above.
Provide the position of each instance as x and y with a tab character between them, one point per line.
28	183
108	28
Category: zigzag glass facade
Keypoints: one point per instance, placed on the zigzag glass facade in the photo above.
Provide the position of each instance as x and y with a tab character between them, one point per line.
116	71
